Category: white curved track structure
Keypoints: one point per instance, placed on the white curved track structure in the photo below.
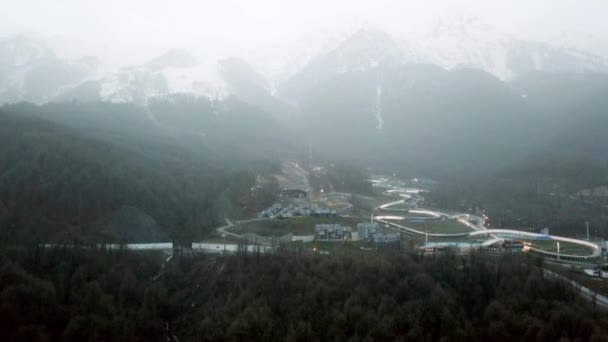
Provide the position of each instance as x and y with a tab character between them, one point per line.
496	235
406	195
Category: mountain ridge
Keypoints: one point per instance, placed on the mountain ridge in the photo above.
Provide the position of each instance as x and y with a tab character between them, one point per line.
453	43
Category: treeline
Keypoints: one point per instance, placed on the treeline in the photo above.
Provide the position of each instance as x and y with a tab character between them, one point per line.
68	294
55	184
225	132
547	192
382	297
71	294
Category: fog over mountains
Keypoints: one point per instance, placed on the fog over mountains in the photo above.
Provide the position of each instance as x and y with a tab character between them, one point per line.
468	100
226	170
31	71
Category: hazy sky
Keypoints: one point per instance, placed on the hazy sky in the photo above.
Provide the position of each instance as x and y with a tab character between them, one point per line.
140	28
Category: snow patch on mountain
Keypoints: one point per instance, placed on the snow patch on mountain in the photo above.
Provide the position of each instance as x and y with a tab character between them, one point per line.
581	42
21	51
469	42
30	71
175	72
281	61
378	109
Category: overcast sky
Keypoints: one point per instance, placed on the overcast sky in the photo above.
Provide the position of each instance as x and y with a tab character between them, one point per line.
140	28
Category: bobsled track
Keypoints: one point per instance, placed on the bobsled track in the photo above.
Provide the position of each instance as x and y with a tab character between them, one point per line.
494	235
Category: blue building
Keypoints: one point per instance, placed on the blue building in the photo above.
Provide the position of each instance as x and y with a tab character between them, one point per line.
367	230
387	241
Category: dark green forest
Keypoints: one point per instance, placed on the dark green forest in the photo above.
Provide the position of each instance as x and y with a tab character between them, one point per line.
57	185
68	170
70	294
554	192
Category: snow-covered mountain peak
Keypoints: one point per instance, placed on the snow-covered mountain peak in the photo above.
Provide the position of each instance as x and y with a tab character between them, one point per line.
460	25
468	42
31	71
176	71
471	43
581	42
370	35
279	62
23	50
365	49
176	58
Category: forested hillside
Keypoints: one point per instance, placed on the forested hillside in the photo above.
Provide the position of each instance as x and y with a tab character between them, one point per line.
70	294
227	132
57	184
458	124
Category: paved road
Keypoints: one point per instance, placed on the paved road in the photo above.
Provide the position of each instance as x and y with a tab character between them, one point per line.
587	293
223	229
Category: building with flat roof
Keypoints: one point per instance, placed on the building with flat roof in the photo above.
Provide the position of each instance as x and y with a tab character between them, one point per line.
367	230
387	241
332	232
294	196
293	193
370	232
